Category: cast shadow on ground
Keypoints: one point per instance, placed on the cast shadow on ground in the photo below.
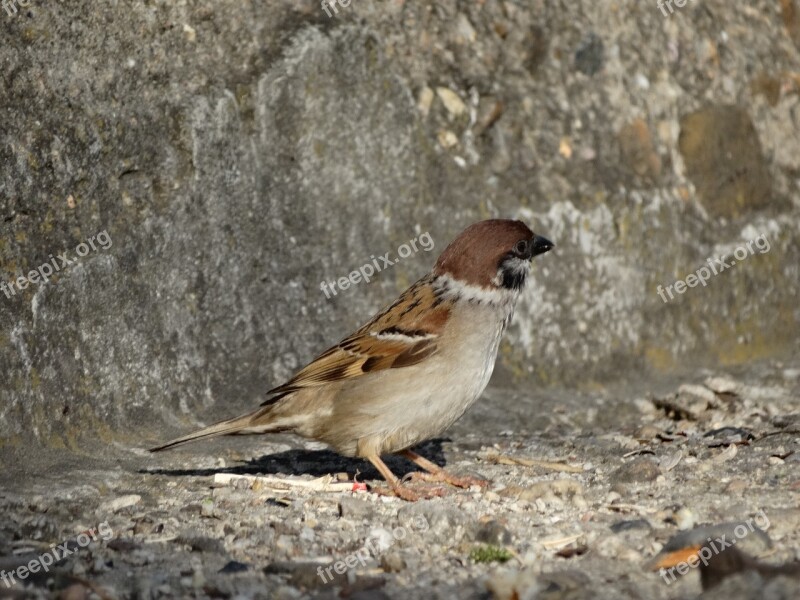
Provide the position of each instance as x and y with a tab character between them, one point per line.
315	463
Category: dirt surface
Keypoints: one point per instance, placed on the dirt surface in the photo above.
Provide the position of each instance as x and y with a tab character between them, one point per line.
621	472
238	156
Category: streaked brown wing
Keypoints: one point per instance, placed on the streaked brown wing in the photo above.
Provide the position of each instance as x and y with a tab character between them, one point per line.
402	335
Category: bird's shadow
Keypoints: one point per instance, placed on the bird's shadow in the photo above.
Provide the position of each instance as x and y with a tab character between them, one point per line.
315	463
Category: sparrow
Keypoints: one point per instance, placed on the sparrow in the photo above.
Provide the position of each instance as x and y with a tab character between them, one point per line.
713	550
415	368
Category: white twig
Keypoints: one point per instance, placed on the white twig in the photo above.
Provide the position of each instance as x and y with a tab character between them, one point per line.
321	484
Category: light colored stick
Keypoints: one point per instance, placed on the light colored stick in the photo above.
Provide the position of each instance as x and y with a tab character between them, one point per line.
503	459
321	484
560	542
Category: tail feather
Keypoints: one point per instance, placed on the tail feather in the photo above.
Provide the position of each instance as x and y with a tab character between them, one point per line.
229	427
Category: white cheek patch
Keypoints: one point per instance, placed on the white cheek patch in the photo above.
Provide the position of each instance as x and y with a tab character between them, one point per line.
499	296
498	279
517	265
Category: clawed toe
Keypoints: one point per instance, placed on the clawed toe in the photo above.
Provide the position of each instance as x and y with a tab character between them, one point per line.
434	474
416	476
409	494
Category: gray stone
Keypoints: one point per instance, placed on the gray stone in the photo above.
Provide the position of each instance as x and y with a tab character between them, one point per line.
493	532
639	470
436	519
392	562
355	508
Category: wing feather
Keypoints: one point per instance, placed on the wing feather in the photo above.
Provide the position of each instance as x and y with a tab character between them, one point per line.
402	335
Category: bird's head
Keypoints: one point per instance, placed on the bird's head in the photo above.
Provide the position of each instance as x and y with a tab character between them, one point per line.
496	253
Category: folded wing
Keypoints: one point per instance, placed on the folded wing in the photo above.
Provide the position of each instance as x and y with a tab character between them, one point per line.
404	334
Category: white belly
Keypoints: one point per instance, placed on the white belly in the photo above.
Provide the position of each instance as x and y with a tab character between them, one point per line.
420	402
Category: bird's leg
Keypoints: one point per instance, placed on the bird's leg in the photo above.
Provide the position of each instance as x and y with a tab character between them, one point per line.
438	474
395	487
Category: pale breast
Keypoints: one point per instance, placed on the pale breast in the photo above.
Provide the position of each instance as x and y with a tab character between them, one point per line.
419	402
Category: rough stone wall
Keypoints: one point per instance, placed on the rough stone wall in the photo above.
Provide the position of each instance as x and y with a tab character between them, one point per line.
238	153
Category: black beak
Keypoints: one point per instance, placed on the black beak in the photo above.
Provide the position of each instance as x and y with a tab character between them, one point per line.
540	245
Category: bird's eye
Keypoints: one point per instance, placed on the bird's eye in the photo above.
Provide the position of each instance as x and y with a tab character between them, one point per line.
521	247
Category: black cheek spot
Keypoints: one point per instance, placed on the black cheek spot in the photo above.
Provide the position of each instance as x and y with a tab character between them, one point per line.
513	279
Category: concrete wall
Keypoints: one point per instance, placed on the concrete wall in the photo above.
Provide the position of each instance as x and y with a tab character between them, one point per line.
239	153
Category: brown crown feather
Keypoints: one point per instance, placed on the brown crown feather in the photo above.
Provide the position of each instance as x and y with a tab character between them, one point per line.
474	256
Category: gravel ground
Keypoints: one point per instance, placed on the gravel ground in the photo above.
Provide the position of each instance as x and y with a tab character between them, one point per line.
585	488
